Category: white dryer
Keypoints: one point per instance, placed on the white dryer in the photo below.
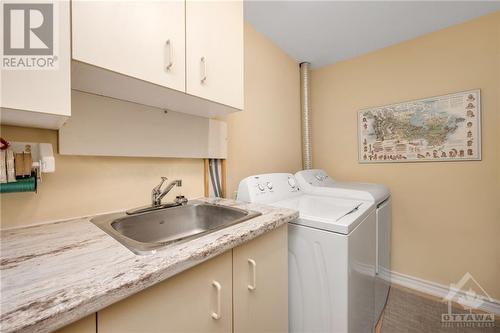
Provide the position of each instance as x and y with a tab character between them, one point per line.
316	181
331	255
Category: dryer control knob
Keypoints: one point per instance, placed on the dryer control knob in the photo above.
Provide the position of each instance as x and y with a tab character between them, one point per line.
261	187
292	182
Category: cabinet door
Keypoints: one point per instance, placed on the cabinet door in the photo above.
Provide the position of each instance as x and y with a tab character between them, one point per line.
40	97
197	300
260	285
84	325
142	39
214	51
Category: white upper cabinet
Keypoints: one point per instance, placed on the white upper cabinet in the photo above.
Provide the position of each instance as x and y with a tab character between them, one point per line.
141	39
37	94
181	56
214	51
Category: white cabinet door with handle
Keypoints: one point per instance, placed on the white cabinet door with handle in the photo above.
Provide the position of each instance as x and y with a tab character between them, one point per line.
141	39
260	283
214	51
40	98
197	300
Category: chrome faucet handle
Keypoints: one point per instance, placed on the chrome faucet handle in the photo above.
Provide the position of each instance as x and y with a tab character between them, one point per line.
157	188
181	200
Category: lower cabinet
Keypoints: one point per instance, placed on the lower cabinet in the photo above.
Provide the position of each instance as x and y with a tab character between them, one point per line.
243	290
197	300
84	325
260	284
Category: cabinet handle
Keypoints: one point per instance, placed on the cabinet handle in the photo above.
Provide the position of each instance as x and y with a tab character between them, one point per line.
216	315
168	52
253	267
203	70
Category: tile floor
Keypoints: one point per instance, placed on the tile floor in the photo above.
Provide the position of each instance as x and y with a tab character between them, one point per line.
408	311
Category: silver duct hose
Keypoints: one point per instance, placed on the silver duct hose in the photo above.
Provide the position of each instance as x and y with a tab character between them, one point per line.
306	115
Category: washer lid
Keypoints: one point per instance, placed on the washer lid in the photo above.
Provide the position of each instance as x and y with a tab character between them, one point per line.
316	181
328	213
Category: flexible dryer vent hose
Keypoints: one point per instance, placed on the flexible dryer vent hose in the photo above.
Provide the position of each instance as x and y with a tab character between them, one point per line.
305	109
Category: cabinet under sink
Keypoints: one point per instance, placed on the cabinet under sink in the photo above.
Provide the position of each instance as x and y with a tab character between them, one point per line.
242	290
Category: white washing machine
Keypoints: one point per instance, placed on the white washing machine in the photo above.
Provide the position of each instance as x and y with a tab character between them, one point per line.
331	255
317	182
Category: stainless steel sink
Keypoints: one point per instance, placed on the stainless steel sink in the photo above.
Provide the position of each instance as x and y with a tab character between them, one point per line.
144	233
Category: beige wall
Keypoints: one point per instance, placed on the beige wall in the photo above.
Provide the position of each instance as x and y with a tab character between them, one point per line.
266	136
88	185
446	218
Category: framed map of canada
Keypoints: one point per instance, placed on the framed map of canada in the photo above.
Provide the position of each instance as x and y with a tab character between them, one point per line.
442	128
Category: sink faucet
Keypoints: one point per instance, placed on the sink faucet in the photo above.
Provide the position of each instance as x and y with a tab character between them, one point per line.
157	194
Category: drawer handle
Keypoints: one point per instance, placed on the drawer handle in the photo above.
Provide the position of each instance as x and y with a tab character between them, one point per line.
168	52
216	315
253	267
203	70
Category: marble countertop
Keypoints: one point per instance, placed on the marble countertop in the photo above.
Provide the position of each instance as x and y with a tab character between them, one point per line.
56	273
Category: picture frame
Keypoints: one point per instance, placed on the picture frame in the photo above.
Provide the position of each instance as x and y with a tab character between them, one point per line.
432	129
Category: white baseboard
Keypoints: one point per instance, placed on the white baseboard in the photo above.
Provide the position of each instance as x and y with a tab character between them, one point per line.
439	290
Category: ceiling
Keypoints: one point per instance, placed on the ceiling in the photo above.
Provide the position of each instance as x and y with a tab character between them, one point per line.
325	32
